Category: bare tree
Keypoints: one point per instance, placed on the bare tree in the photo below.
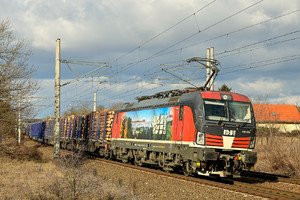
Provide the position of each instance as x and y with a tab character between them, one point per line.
81	109
114	106
15	78
100	108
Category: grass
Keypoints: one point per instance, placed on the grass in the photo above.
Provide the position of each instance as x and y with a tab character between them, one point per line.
279	155
11	149
29	172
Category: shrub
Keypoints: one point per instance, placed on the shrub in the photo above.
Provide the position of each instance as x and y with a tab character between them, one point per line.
11	149
80	181
28	153
280	155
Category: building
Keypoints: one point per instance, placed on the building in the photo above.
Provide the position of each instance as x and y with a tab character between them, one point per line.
284	118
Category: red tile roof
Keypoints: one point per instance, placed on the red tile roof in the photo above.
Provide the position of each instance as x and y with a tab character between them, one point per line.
278	113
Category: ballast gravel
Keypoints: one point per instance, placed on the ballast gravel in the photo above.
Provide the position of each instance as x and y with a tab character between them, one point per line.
143	185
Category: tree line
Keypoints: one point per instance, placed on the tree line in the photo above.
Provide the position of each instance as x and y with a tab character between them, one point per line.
16	82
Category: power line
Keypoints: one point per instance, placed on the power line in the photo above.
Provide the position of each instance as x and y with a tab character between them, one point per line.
260	42
264	61
260	64
192	35
103	66
164	31
295	57
129	65
152	70
232	32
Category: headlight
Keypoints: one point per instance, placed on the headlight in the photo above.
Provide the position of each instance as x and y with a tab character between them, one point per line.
252	143
200	138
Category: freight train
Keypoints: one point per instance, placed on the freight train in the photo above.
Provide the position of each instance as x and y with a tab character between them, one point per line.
194	131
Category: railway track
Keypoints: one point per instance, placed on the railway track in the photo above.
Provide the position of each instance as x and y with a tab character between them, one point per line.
271	177
228	184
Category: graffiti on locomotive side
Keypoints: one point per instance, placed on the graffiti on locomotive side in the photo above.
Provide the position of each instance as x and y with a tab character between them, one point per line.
155	124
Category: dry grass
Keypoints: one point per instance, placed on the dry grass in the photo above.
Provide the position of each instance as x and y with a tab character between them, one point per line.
73	177
279	155
28	172
9	148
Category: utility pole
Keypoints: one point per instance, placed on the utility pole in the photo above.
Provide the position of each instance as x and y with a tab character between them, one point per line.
56	144
95	102
212	79
208	70
19	119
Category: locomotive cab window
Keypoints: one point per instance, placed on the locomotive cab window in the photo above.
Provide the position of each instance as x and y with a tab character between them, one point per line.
232	111
240	112
215	110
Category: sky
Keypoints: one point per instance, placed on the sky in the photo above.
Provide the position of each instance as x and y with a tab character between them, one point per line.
255	41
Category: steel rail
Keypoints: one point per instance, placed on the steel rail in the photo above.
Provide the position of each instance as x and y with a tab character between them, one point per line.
236	186
229	184
272	177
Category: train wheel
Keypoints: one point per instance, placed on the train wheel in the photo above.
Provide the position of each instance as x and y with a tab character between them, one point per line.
107	155
187	169
161	160
102	152
63	145
92	148
111	155
68	146
137	161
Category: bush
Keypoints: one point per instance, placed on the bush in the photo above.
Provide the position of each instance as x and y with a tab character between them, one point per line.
11	149
28	153
76	180
280	155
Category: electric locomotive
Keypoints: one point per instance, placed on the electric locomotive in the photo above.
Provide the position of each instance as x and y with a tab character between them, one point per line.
199	132
194	130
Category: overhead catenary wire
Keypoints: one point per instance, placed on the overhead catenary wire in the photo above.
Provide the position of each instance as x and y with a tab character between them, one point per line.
164	31
266	64
245	47
263	64
238	12
232	32
152	70
129	65
295	57
91	73
235	70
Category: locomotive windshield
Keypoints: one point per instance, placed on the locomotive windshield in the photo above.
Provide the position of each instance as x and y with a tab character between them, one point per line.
239	112
227	111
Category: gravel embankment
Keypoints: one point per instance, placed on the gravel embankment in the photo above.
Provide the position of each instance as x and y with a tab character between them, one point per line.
121	182
149	186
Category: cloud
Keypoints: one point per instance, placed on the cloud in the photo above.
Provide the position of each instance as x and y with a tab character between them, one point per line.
271	90
261	86
290	100
123	23
108	30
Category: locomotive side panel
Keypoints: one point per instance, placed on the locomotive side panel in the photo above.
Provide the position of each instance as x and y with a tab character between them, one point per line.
151	124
